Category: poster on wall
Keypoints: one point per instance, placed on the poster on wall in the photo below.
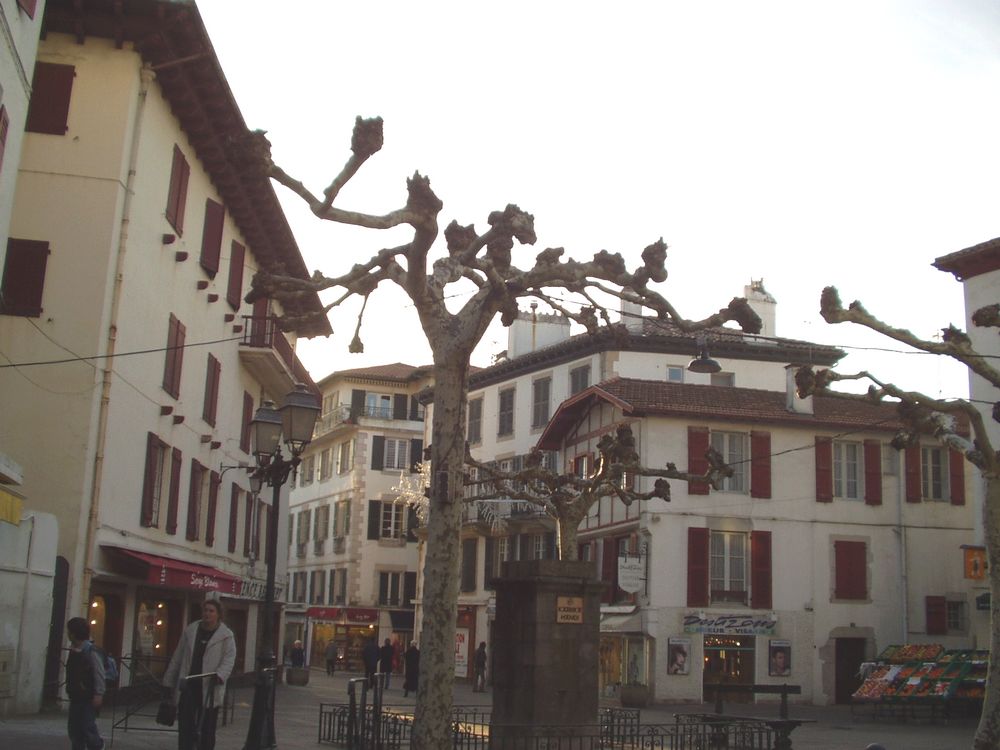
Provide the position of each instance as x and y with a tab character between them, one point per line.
678	650
462	652
779	655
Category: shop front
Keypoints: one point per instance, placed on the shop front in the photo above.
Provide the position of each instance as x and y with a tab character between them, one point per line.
465	637
347	627
624	652
730	646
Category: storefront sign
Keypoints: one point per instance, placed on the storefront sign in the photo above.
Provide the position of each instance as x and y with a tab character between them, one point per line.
730	624
630	573
200	581
569	609
253	588
462	652
323	613
362	615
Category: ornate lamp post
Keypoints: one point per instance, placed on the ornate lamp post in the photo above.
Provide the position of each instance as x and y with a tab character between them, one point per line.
294	422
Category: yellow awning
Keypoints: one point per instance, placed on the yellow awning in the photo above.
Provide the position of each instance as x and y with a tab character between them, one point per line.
11	507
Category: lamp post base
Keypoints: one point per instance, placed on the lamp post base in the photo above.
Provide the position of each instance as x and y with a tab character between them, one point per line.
260	733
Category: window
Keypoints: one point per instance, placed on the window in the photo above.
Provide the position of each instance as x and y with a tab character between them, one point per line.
174	494
396	452
341	596
467	581
214	481
247	418
194	501
378	405
723	379
728	566
579	379
345	457
174	357
933	473
234	289
955	615
23	277
330	403
211	405
326	464
733	447
850	570
581	466
305	524
317	585
538	547
307	470
505	413
474	432
392	521
341	518
540	390
155	481
211	237
389	588
675	374
177	193
234	516
847	470
48	110
321	528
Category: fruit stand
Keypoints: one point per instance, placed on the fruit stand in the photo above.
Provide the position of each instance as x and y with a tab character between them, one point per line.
923	681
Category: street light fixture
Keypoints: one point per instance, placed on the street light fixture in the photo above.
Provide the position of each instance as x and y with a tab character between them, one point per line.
294	422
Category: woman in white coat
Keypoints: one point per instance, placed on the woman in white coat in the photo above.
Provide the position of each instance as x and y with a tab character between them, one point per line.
206	647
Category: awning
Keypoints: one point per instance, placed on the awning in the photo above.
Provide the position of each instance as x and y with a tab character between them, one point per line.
165	571
11	507
401	620
631	623
323	613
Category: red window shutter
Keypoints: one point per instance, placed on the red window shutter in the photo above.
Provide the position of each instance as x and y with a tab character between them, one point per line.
697	572
176	333
4	127
214	481
194	501
247	418
824	469
760	569
913	490
937	619
48	110
153	448
176	460
211	238
698	442
177	193
234	291
212	374
956	476
760	464
28	6
24	277
851	570
873	472
248	525
234	516
609	570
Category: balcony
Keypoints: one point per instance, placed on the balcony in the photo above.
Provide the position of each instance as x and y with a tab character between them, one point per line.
484	511
269	358
342	414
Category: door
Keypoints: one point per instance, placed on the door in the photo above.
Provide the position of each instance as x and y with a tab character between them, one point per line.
850	652
729	661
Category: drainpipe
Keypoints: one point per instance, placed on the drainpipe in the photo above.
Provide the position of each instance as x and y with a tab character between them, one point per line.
145	78
25	596
901	533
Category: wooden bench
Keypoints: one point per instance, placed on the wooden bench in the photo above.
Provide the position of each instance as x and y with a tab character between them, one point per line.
783	690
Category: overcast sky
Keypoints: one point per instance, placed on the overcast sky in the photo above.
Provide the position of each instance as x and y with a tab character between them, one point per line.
799	142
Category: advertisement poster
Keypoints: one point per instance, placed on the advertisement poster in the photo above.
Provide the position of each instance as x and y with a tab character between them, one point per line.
678	651
779	658
462	652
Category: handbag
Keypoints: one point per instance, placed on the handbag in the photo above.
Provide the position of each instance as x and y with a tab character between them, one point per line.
166	714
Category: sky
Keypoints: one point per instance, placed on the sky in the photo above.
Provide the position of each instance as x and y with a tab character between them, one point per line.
802	143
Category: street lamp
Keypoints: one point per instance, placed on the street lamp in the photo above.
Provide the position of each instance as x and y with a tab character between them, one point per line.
294	422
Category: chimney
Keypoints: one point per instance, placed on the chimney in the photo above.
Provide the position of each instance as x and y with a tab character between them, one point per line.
631	316
762	303
534	330
793	402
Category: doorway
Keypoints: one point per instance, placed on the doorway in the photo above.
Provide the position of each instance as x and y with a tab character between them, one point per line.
850	652
729	661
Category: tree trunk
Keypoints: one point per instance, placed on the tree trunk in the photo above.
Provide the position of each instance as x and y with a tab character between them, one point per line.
988	732
432	719
567	526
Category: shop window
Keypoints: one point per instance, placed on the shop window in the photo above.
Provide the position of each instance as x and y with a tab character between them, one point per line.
151	649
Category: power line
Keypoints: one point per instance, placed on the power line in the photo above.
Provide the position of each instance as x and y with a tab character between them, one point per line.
88	359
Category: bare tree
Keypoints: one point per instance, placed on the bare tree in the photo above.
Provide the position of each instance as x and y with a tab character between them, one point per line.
946	420
483	263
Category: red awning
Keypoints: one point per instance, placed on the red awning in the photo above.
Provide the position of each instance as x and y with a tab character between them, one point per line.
166	571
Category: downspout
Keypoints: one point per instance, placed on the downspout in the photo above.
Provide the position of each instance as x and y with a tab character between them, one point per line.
901	532
145	78
26	594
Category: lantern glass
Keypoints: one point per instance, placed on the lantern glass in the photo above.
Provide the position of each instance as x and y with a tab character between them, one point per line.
298	418
266	431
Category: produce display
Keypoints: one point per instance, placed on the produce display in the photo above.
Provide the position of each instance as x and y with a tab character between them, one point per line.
924	673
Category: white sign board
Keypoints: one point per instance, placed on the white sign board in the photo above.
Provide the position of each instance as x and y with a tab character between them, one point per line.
462	652
630	574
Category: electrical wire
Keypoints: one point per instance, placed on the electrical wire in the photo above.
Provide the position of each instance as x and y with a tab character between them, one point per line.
77	358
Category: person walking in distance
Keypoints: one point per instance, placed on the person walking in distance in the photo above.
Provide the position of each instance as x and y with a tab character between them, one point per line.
207	646
331	658
480	665
369	657
411	662
85	687
385	655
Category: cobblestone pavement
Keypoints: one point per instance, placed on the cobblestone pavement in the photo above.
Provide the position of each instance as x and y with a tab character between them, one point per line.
830	727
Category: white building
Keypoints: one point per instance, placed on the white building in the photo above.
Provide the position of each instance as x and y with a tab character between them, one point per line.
828	563
352	558
133	240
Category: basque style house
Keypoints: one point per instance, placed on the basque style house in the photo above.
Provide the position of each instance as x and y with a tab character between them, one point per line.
816	547
352	562
136	366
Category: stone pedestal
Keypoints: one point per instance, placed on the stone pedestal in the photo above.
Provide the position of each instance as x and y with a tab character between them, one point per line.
546	636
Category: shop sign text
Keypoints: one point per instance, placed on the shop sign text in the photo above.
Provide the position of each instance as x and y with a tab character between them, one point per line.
569	609
730	624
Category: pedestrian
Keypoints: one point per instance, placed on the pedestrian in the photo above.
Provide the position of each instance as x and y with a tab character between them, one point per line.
331	658
385	655
298	654
479	686
207	647
85	687
411	661
369	657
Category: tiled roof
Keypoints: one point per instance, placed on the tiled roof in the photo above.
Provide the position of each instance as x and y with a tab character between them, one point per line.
971	261
396	372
